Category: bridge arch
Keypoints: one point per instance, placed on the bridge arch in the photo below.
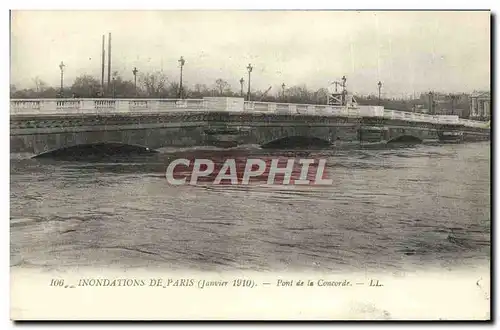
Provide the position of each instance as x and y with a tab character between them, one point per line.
296	141
405	138
96	148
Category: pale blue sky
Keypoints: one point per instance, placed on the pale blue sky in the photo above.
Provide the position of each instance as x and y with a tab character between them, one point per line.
408	51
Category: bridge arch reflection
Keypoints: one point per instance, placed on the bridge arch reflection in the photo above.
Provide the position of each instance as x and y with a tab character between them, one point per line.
299	141
95	149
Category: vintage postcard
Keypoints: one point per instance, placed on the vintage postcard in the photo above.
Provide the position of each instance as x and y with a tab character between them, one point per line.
250	165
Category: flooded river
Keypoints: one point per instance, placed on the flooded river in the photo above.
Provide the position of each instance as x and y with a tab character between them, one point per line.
393	209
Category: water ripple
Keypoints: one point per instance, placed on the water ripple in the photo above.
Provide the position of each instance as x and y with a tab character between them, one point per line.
387	208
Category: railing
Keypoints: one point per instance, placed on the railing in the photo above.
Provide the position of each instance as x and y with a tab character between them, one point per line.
137	106
83	106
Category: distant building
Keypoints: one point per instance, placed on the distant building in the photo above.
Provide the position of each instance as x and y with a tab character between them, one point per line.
420	108
451	112
480	106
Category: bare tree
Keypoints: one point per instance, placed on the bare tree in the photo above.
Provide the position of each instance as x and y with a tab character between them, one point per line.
40	85
173	90
154	83
299	94
221	86
200	90
122	88
86	86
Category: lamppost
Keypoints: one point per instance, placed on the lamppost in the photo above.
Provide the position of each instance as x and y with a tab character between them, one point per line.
249	68
453	98
114	88
344	92
241	83
283	90
181	61
61	67
135	79
379	88
431	103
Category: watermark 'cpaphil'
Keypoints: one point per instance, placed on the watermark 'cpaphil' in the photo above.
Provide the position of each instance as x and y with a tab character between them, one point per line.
243	171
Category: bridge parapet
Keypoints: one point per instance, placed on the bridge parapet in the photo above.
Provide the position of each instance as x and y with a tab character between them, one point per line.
92	106
421	117
138	106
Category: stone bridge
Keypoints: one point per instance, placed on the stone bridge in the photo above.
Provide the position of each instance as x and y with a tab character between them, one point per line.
48	126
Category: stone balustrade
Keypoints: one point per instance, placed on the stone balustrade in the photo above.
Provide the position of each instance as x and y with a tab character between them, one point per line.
137	106
72	106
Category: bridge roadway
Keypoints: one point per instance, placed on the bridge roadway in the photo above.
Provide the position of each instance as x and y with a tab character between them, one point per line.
46	125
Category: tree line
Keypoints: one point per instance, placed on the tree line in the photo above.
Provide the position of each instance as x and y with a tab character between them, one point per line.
157	85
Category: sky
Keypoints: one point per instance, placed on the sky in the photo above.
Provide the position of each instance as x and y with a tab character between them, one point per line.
409	52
